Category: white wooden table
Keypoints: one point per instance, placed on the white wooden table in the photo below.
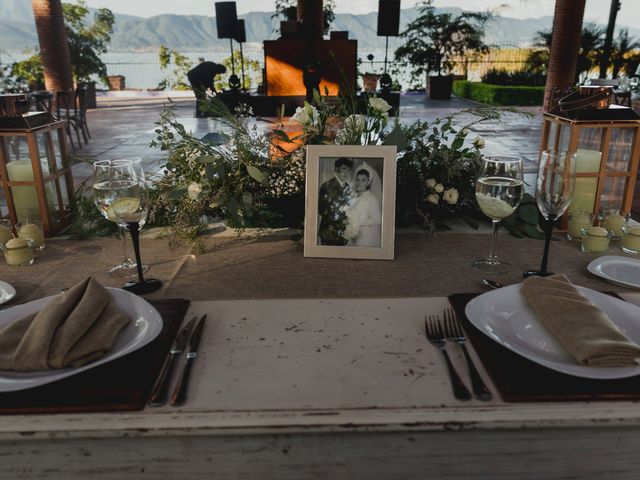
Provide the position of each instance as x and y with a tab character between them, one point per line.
323	389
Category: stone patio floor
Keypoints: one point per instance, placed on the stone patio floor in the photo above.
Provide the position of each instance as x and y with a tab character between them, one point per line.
124	127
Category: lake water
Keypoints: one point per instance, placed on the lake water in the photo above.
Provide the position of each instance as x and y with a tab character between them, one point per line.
142	69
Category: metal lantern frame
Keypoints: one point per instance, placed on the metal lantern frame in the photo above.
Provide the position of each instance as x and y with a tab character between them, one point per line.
55	219
555	139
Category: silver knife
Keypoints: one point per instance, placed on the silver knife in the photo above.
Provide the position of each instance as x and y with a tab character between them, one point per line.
161	388
180	393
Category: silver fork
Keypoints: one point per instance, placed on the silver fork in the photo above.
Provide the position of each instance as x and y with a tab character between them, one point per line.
454	333
435	335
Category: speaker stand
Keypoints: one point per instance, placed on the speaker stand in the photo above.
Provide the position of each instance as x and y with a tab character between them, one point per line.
244	89
385	79
234	81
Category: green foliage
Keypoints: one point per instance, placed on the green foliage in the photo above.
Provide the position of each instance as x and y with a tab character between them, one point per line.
87	41
88	222
432	41
518	78
498	94
524	222
286	10
30	71
621	56
175	78
252	71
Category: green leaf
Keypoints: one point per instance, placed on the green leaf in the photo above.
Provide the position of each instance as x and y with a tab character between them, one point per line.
528	213
206	159
247	201
396	137
178	193
457	142
257	174
532	232
281	135
210	171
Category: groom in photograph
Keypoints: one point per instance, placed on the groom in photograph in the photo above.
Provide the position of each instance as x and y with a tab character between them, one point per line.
333	198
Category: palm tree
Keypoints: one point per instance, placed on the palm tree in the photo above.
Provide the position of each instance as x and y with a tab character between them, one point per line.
591	43
620	59
565	46
54	46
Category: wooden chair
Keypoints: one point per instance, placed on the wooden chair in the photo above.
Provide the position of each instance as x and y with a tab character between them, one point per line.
81	100
67	110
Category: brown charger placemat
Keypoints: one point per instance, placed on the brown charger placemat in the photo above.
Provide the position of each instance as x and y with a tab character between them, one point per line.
121	385
520	380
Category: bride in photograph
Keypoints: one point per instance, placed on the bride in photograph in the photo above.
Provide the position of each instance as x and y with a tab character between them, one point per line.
364	213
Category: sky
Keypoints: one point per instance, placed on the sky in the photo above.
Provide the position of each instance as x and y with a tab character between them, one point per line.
596	10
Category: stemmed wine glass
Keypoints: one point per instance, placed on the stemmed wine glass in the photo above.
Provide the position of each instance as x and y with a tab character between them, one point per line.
554	191
498	192
130	203
101	176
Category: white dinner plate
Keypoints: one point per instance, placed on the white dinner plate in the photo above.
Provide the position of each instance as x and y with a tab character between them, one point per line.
146	324
617	269
504	316
7	292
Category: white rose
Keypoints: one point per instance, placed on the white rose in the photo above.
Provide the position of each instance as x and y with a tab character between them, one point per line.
194	190
478	142
451	196
379	105
439	188
312	112
433	198
431	182
464	132
301	116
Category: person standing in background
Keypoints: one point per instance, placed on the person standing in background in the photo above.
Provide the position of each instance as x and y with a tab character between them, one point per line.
202	77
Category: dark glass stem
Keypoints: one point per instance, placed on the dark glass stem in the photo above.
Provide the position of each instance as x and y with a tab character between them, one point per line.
548	230
134	230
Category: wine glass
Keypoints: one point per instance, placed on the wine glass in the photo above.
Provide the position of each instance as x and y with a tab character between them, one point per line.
498	192
554	191
130	205
101	173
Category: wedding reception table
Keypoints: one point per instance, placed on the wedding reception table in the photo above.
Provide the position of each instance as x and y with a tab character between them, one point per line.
316	368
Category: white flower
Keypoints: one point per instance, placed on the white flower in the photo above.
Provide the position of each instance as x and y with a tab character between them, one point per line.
464	132
433	198
354	122
379	105
431	182
478	142
451	196
306	115
194	190
439	188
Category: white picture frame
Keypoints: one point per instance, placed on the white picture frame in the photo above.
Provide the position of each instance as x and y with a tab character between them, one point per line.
350	201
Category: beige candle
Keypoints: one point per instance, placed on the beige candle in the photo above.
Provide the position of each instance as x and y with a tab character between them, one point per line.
5	233
595	240
577	221
18	252
631	239
34	231
613	223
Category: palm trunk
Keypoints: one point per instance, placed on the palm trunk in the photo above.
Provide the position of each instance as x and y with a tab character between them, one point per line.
54	47
565	45
310	14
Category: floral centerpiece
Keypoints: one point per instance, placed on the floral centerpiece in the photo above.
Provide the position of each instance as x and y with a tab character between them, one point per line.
251	175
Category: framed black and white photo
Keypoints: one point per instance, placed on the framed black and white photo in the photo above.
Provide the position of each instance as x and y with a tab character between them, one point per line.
350	202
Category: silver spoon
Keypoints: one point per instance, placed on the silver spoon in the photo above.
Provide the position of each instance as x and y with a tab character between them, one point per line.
492	283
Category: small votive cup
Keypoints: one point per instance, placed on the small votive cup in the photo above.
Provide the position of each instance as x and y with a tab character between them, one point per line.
613	220
32	229
577	221
631	239
18	252
595	239
6	233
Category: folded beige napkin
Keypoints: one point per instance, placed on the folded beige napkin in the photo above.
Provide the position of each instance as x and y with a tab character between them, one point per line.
581	327
73	329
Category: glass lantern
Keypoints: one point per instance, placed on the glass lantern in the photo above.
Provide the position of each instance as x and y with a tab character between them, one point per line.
607	146
35	174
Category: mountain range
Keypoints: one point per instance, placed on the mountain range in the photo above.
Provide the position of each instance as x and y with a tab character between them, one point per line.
197	32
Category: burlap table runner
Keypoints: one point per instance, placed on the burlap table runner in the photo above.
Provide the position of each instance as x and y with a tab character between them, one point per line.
273	266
